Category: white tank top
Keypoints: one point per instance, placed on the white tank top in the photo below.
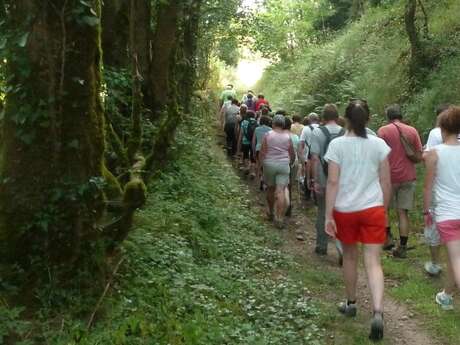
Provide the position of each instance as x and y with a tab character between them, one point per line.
447	183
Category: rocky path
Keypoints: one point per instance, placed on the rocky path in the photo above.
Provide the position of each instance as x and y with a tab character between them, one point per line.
401	326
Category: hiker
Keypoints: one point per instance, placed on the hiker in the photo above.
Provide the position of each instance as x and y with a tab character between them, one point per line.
321	138
297	127
432	239
228	122
305	153
293	178
356	207
247	129
261	101
250	101
228	91
406	151
264	128
442	182
276	155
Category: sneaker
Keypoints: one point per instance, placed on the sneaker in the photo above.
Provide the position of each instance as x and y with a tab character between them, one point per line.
445	300
432	269
346	309
376	327
400	252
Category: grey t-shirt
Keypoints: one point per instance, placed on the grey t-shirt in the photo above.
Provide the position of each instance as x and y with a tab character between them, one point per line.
318	147
230	113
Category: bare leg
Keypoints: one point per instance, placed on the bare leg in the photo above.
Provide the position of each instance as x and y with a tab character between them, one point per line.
374	274
403	223
280	202
453	249
271	199
350	270
450	281
434	251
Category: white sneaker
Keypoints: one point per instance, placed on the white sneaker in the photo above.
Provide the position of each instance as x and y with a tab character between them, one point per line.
432	269
445	300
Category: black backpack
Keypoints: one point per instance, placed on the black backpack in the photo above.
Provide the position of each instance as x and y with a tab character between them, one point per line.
329	138
251	129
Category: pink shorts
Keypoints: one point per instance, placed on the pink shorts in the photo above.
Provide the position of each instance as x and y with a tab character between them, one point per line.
449	230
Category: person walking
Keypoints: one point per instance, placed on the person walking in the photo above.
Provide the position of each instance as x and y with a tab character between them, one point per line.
293	178
356	207
228	123
297	126
276	155
321	138
259	134
305	154
401	138
432	238
442	182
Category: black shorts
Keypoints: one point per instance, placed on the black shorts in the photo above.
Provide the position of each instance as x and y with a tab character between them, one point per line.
247	152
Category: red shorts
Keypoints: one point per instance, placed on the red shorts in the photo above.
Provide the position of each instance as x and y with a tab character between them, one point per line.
366	226
449	230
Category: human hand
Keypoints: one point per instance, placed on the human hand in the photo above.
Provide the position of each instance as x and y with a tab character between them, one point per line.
317	188
428	219
331	228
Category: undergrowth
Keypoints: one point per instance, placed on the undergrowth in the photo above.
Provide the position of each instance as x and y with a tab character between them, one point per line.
198	269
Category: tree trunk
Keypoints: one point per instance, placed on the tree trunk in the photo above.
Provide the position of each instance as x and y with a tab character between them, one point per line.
418	60
190	47
163	55
51	176
115	33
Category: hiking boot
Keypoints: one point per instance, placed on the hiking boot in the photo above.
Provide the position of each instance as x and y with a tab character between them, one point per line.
445	300
432	269
321	251
346	309
376	327
289	211
340	260
400	252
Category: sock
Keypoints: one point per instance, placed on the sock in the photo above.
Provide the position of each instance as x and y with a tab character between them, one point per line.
403	240
350	302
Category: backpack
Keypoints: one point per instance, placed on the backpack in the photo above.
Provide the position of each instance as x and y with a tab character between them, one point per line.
329	138
306	142
252	125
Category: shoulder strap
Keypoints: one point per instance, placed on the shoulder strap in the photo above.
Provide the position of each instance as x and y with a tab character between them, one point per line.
326	133
311	127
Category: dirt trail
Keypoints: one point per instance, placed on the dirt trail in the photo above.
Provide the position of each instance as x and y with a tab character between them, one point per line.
401	326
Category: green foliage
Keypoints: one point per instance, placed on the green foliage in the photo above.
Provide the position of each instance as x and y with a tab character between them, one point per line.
370	59
198	268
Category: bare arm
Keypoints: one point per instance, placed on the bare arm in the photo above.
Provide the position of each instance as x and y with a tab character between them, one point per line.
263	150
331	196
291	153
385	181
431	159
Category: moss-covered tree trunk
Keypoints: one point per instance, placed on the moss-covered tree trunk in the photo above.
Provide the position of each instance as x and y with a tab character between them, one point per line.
51	176
163	63
115	21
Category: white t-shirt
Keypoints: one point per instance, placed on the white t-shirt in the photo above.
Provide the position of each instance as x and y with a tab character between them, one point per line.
447	183
306	137
359	160
434	139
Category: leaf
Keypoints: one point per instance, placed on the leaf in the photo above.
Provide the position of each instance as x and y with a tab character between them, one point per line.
3	43
23	40
74	144
90	20
84	3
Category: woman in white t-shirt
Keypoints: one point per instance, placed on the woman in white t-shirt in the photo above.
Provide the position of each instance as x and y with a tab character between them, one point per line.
443	182
358	192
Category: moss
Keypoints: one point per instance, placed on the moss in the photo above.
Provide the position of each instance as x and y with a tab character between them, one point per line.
112	190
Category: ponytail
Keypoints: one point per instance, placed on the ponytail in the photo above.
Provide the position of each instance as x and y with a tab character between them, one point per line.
357	114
